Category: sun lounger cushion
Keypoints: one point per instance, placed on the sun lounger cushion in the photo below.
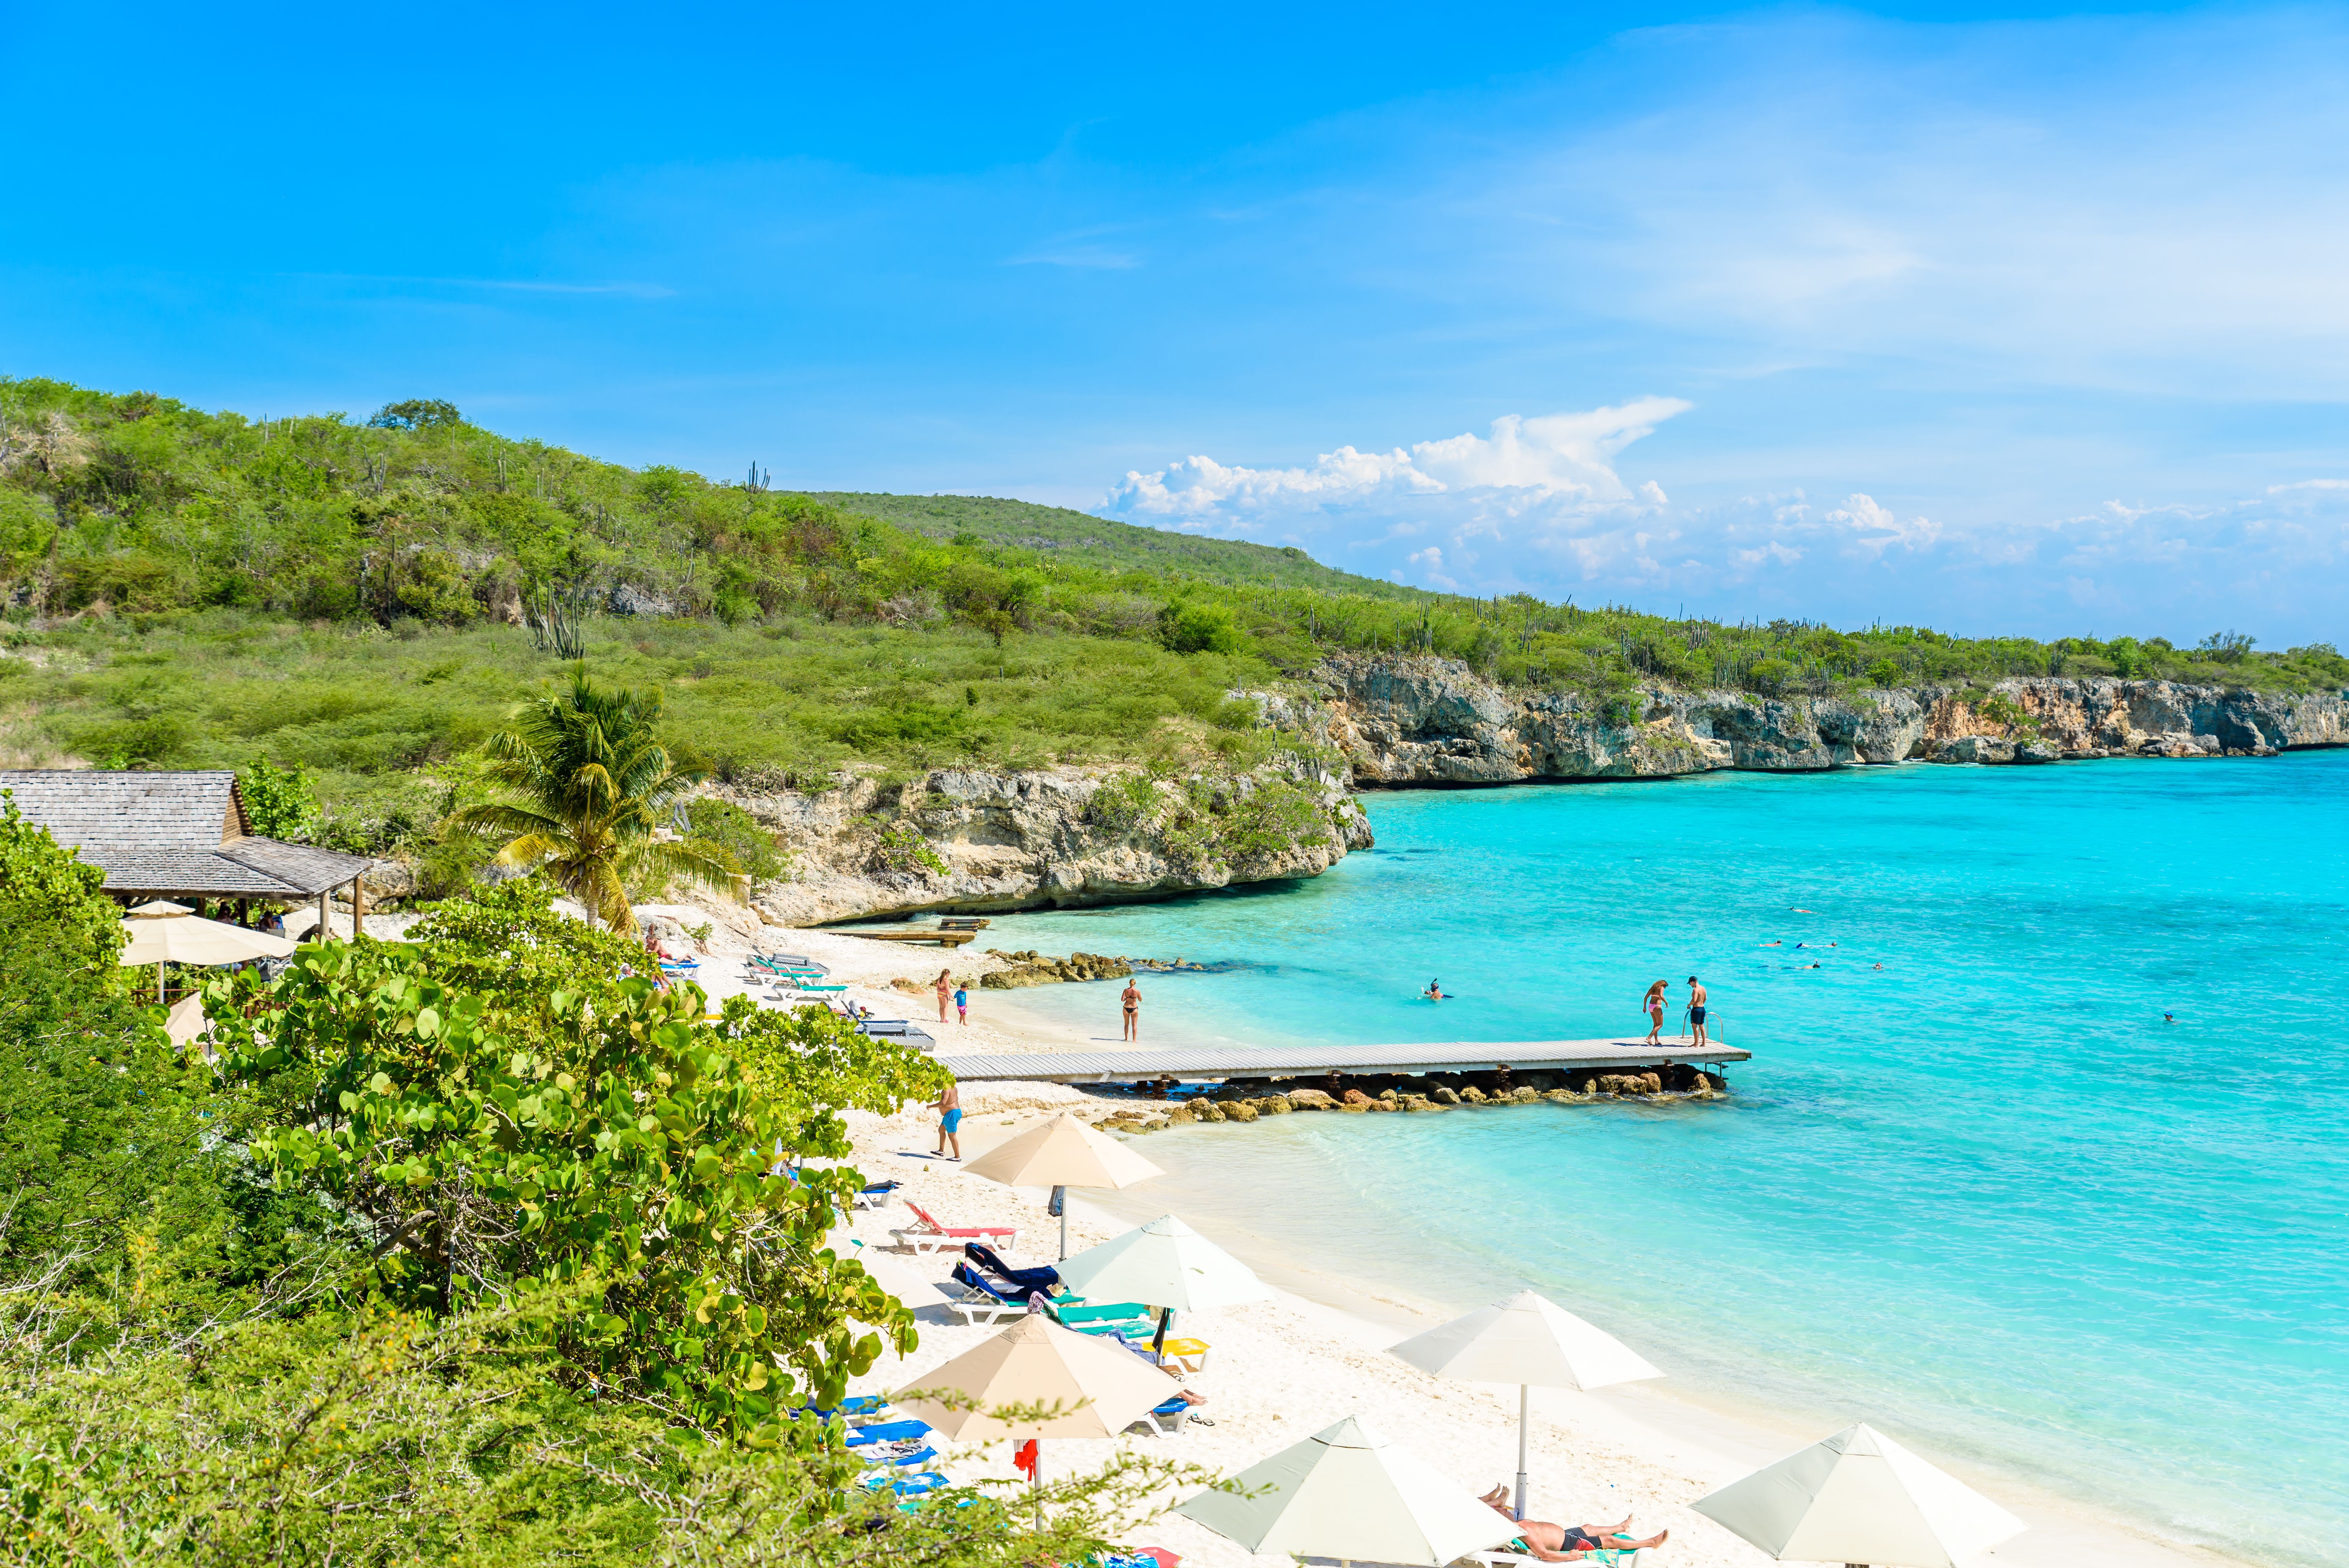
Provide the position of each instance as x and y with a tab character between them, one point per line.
924	1216
1042	1277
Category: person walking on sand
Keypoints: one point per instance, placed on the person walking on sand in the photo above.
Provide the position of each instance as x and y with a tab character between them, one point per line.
962	1007
1696	1012
945	988
949	1110
1132	998
1655	1005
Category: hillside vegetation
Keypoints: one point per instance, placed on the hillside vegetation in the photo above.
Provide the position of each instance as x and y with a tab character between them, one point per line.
369	598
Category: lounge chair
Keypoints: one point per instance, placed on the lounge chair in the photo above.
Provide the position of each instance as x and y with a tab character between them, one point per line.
1167	1420
1611	1556
907	1486
1121	1318
888	1432
1043	1276
984	1301
857	1407
788	960
927	1235
876	1196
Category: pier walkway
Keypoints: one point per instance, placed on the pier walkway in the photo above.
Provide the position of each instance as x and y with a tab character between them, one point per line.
1191	1064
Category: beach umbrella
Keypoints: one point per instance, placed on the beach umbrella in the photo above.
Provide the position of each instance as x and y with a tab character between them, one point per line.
1527	1341
1350	1493
162	933
1061	1153
1165	1265
1100	1386
1859	1498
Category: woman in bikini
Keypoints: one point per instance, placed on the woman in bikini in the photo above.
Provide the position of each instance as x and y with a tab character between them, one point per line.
1132	998
1655	1005
945	989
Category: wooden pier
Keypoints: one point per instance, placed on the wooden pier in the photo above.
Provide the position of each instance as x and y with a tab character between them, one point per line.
915	933
1216	1064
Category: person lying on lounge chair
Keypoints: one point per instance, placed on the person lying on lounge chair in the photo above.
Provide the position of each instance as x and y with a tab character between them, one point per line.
1565	1543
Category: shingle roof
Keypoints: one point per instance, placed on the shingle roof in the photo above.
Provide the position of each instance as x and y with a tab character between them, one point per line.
175	832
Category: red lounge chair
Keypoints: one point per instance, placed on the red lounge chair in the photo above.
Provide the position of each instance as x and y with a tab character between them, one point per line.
927	1235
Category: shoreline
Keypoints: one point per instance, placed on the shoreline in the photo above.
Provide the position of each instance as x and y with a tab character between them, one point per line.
1285	1369
1319	1346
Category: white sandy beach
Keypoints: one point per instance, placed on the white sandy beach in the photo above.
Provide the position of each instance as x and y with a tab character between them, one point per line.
1285	1369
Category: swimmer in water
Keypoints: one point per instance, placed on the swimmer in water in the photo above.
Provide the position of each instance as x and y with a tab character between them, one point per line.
1780	943
1434	992
2170	1017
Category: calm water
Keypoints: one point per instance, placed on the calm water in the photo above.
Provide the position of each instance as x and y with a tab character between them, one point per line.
1983	1196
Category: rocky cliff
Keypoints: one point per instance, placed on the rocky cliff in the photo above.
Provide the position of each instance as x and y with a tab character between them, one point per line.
972	842
1422	722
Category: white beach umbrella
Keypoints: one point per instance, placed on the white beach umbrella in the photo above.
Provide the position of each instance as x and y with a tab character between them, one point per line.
1859	1498
1165	1265
1528	1341
162	933
1060	1153
1350	1493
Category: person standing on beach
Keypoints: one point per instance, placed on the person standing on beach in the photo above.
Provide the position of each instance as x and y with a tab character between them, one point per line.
949	1110
945	988
1132	998
1655	1005
1696	1011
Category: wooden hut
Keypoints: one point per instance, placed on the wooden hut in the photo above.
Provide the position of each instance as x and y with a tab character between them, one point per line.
179	836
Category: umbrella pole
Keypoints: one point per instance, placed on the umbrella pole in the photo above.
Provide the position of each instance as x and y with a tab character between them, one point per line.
1061	1199
159	982
1524	1407
1035	1482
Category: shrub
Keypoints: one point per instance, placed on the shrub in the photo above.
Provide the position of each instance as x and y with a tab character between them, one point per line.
900	847
1123	803
622	1143
282	801
1195	628
733	832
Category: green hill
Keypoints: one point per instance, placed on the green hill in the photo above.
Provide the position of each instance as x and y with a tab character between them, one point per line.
1106	545
369	599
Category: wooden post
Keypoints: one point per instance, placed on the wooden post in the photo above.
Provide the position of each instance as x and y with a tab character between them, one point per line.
359	907
322	914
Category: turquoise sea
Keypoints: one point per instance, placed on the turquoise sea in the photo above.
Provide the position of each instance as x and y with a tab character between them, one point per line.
1983	1196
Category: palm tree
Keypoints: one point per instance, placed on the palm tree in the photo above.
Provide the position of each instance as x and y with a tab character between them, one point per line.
593	785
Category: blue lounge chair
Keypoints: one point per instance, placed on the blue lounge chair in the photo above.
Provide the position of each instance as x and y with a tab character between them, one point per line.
984	1301
887	1432
1043	1276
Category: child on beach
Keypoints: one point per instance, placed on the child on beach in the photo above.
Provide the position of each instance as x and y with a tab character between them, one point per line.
949	1110
962	1007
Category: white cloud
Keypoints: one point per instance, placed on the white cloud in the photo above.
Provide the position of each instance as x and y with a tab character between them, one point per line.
1875	528
1524	461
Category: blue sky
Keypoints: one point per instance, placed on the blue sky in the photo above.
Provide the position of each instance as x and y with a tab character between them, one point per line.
2014	320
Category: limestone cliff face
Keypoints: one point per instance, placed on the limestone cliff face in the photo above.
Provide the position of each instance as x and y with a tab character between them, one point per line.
1416	722
958	840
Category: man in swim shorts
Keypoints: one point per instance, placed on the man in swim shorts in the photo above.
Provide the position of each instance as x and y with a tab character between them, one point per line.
1696	1011
950	1108
1566	1544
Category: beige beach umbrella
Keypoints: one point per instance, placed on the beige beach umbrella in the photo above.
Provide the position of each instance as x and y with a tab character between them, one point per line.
164	934
1859	1498
1165	1265
1529	1341
1061	1153
1350	1493
1100	1386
